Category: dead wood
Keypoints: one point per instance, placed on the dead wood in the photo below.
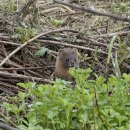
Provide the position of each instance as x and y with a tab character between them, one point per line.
31	40
70	45
23	77
109	35
6	127
93	11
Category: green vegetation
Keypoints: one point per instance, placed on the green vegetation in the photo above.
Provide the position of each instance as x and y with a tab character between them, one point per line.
41	52
121	7
91	104
24	34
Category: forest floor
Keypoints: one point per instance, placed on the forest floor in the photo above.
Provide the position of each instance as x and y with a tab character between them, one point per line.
31	33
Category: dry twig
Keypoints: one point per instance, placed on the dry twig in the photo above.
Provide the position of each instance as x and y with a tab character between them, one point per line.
109	35
70	45
6	127
32	39
94	11
23	77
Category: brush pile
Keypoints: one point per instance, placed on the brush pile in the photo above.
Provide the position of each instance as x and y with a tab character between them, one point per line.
31	33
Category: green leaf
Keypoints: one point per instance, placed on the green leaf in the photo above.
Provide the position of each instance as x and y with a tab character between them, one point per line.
22	95
84	117
56	22
42	51
51	114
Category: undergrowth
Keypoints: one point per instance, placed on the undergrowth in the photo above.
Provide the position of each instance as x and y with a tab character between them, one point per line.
24	34
89	105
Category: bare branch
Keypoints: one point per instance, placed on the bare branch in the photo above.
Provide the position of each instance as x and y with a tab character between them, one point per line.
32	39
75	46
6	127
123	33
94	11
18	76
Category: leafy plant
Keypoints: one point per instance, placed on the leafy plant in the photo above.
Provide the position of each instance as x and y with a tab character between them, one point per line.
12	6
24	34
121	7
8	6
91	104
55	22
42	51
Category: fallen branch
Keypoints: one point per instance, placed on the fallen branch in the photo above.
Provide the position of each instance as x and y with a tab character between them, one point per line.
13	64
24	68
93	11
6	127
23	77
28	46
3	18
110	34
32	39
70	45
9	86
12	81
16	44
